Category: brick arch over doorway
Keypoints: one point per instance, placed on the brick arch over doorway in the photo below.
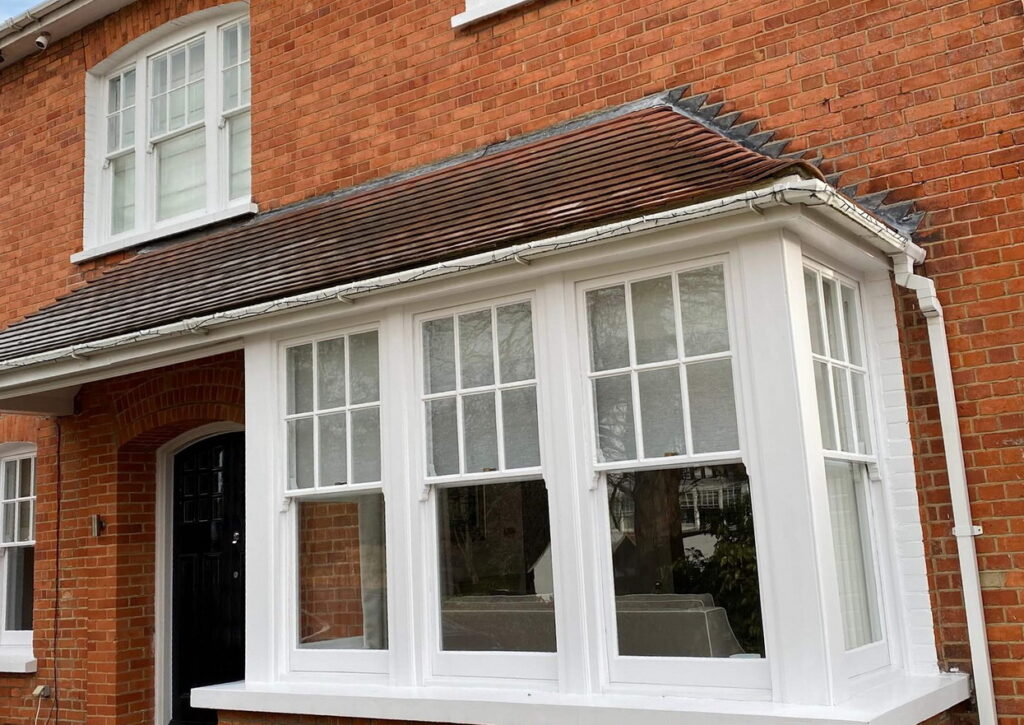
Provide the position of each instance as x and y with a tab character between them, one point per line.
107	583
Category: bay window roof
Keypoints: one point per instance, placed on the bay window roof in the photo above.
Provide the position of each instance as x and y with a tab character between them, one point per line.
633	163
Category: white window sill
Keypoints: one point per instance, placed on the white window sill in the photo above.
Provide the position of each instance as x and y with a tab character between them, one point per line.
101	250
17	659
483	9
901	698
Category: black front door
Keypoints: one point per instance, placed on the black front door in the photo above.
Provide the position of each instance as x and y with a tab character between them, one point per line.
208	614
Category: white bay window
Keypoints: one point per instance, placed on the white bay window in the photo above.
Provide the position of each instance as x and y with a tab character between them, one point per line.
175	134
638	476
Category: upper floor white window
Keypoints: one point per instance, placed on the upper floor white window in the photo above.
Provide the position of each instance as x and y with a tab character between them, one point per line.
169	132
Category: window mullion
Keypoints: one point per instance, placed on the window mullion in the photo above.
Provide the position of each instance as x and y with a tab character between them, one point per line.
684	386
634	381
215	196
499	426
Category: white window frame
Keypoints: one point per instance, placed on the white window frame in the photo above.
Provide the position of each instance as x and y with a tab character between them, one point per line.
874	655
98	239
20	639
312	660
746	677
512	666
477	10
780	447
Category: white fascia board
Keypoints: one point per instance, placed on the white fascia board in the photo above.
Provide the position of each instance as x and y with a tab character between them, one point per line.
59	18
900	699
16	373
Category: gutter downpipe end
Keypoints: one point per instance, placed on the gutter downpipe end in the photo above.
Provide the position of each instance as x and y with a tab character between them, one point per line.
964	529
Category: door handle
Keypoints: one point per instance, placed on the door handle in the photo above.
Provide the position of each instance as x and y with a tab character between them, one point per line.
236	537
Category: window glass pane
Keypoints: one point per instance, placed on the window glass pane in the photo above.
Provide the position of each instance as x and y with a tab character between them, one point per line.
176	108
330	371
496	574
300	453
442	437
230	90
177	67
654	320
181	176
439	355
127	127
661	410
244	42
122	194
814	312
825	417
860	411
476	349
515	342
196	59
114	94
342	574
365	373
702	305
843	409
26	479
196	102
240	155
481	433
613	406
685	563
246	94
333	450
113	132
10	479
230	46
712	406
158	76
854	566
158	116
9	516
519	427
831	297
24	521
19	585
851	319
129	88
366	445
300	379
606	317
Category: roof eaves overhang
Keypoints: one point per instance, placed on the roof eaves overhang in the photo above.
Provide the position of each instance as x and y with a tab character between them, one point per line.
59	18
37	371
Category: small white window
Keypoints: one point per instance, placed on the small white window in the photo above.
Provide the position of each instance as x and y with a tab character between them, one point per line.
176	135
17	548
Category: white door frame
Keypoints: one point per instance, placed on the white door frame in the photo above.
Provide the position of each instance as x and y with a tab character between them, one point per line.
164	544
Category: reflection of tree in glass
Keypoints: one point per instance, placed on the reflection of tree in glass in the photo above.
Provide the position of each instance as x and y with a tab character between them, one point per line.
493	534
663	547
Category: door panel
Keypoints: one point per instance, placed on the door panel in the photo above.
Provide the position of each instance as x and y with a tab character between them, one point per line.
208	608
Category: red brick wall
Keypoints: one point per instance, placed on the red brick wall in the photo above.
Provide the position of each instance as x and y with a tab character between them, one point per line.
922	97
16	704
101	657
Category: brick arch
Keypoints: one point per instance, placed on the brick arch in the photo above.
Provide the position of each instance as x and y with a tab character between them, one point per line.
153	409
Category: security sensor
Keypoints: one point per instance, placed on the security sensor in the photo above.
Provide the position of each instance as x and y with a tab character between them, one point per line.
43	41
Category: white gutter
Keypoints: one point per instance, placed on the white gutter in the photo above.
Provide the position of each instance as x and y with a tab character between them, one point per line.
964	529
791	190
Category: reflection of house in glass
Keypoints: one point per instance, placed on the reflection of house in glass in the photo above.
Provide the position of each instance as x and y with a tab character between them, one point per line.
684	562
